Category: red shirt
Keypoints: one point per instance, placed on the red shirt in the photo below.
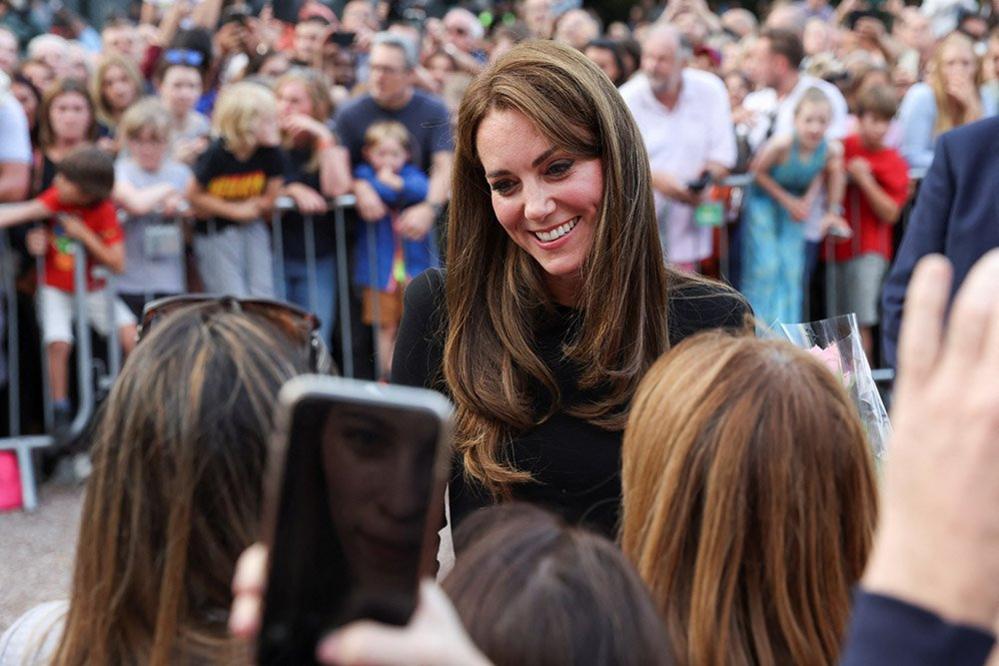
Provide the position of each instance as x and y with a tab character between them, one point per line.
871	235
101	218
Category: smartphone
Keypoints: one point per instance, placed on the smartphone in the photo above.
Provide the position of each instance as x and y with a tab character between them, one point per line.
355	499
343	39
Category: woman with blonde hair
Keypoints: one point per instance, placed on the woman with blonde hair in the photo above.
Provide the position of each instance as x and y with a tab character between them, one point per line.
556	298
115	85
950	97
749	501
176	492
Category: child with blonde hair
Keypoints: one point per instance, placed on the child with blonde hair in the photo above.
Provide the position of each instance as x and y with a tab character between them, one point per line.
150	188
399	184
235	183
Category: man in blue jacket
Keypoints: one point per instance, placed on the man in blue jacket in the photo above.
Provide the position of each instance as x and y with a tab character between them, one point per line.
956	214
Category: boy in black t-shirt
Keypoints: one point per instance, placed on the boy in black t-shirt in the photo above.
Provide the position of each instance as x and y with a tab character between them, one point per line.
235	183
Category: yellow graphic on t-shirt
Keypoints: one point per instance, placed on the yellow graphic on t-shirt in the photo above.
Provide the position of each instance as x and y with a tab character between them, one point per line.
238	186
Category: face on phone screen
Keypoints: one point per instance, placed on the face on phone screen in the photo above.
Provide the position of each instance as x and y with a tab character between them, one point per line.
378	467
360	499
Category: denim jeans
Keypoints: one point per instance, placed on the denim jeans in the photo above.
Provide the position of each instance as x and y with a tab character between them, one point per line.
296	282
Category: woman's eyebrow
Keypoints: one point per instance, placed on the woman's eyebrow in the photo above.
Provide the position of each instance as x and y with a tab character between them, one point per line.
538	160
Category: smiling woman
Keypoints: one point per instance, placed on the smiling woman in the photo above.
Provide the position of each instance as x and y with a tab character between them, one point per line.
556	298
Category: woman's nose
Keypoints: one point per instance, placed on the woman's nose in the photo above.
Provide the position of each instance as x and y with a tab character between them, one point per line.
538	203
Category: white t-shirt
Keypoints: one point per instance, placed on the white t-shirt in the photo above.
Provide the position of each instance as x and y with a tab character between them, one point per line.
33	638
680	142
15	141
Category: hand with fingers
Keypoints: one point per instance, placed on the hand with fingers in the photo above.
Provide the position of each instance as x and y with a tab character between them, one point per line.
937	545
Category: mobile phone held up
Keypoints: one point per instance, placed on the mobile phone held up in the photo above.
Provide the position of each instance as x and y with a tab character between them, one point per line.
355	498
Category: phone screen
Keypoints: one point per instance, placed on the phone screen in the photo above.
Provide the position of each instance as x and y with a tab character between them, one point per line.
360	503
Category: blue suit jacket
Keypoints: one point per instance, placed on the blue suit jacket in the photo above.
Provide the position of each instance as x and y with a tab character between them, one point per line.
956	214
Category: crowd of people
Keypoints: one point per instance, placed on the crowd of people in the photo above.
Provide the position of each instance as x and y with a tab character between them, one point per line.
671	489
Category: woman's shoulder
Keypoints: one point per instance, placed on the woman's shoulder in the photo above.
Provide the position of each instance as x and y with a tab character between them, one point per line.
34	637
919	96
698	304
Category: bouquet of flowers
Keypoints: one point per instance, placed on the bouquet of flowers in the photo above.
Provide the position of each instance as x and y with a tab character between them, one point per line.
836	342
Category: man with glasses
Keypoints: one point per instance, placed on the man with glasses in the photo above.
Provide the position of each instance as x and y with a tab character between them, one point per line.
392	96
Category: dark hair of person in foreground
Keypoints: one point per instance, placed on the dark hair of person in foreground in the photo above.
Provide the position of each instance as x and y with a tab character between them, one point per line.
533	592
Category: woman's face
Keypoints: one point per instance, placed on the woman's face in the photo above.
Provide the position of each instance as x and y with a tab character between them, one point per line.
29	102
440	67
293	98
737	90
118	89
546	199
180	89
70	116
957	63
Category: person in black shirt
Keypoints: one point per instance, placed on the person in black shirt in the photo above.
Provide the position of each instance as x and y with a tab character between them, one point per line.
235	183
556	297
317	169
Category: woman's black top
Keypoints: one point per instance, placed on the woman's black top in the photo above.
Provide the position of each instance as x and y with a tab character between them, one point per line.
576	466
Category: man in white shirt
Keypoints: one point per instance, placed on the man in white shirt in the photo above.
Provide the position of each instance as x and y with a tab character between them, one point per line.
776	57
685	120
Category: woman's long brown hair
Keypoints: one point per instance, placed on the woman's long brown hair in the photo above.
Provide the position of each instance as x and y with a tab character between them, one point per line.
176	491
495	291
749	501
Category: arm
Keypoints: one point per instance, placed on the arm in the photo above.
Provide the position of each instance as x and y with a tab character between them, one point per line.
209	205
415	185
917	116
882	203
924	234
416	221
835	177
112	256
334	171
14	214
14	180
140	200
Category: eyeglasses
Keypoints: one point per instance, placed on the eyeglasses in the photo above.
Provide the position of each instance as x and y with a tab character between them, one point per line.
298	324
184	57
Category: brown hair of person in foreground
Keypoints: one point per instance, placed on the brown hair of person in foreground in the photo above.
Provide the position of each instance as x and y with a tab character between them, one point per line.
176	491
749	501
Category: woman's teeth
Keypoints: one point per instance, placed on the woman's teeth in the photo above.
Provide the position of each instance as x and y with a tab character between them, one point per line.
557	232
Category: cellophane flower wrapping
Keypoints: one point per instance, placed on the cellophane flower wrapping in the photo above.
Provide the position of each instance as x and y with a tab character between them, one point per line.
836	342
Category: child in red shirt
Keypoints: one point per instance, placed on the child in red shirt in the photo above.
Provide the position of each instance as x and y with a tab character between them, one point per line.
877	189
80	200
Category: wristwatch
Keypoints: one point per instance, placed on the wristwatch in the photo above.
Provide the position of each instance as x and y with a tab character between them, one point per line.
836	209
438	208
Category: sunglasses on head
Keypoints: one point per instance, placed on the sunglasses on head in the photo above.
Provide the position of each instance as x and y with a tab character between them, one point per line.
299	325
184	57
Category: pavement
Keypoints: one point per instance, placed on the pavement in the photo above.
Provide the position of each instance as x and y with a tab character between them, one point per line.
36	551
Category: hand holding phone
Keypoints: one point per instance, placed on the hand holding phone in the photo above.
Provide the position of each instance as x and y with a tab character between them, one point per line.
354	505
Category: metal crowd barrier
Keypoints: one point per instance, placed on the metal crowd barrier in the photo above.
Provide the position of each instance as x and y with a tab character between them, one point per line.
23	445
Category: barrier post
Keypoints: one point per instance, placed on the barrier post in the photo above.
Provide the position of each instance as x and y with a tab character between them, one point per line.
277	245
13	343
343	282
84	347
312	279
48	418
371	230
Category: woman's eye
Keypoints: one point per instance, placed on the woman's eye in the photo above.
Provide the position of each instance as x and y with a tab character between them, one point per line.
559	168
501	186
